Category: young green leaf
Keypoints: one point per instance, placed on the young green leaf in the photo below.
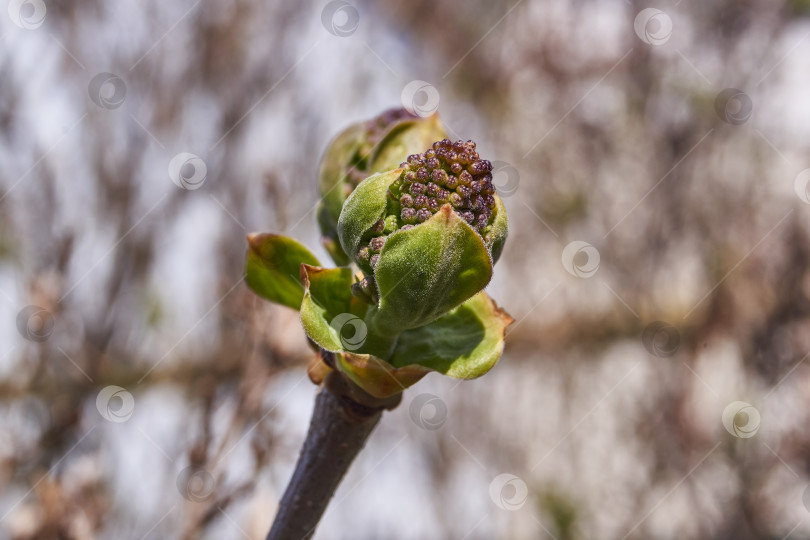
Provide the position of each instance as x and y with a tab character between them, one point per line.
272	268
426	271
464	344
328	306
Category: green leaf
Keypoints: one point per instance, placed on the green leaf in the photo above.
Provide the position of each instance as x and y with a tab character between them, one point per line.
426	271
498	231
364	207
328	308
334	167
272	268
464	344
406	137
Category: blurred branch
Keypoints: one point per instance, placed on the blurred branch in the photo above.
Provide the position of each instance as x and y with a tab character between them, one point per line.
343	418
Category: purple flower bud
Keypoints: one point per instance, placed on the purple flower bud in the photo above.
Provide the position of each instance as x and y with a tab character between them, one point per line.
451	182
376	244
420	201
378	227
433	163
417	188
480	167
433	205
408	215
456	168
431	190
439	176
464	191
456	200
475	186
422	174
406	201
409	177
363	254
422	215
465	178
443	196
374	260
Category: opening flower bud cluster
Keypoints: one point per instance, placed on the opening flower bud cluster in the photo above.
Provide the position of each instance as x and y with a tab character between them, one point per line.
376	128
447	173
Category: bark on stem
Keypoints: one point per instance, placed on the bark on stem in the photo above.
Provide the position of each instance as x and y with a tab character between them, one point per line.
343	418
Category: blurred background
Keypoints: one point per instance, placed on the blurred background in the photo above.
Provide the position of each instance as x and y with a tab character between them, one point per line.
654	161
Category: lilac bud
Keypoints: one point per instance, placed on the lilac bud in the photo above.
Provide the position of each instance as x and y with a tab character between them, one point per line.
439	176
376	244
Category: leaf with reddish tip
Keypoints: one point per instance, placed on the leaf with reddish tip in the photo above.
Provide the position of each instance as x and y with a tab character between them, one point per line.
378	377
272	268
464	344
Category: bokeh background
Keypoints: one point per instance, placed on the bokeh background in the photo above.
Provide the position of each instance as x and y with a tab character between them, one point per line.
653	157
